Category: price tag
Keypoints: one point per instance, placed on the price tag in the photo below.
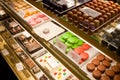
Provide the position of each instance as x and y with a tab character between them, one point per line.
5	52
90	12
74	56
61	45
19	66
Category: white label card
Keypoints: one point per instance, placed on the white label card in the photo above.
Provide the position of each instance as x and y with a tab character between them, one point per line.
19	66
74	56
61	45
90	12
5	52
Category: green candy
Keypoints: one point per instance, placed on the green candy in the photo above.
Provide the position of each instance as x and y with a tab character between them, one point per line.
73	40
68	49
74	46
80	42
66	36
68	44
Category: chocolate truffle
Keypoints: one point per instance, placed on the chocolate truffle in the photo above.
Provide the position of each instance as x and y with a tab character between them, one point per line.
69	14
101	67
116	77
74	11
90	66
110	73
115	68
97	22
105	77
106	63
96	74
85	16
96	62
100	57
90	19
101	20
79	14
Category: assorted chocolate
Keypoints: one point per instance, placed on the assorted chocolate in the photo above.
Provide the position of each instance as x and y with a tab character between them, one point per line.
29	43
93	14
12	26
103	68
3	13
62	6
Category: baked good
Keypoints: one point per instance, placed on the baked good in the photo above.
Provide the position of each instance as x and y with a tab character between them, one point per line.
96	62
90	66
105	77
110	73
115	68
85	46
101	67
43	78
96	74
100	57
116	77
79	50
84	55
106	63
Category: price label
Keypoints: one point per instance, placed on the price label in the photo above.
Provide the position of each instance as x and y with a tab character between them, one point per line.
90	12
5	52
74	56
61	45
19	66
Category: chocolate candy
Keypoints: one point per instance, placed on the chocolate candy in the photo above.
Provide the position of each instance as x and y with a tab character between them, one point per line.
116	77
101	68
106	63
90	66
116	69
96	62
110	73
96	74
100	57
105	77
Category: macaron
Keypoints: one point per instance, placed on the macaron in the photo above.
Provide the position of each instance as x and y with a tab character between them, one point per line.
84	56
79	50
80	42
73	40
66	36
85	46
74	46
68	44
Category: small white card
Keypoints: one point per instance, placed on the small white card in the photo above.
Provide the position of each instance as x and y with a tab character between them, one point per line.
5	52
19	66
90	12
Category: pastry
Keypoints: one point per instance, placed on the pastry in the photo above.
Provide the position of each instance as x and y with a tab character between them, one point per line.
110	73
116	69
106	63
96	74
116	77
96	62
101	67
100	57
85	46
84	55
105	77
90	67
79	50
